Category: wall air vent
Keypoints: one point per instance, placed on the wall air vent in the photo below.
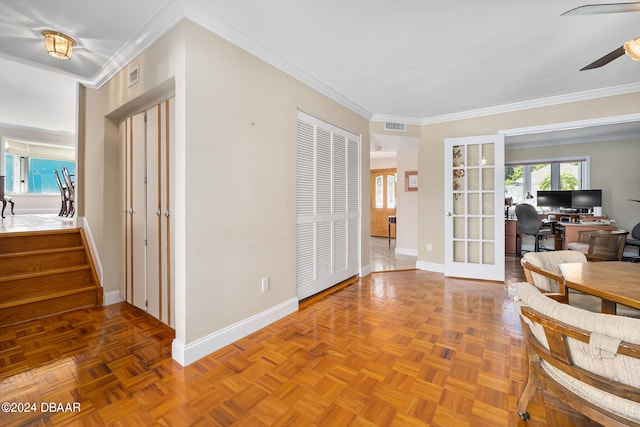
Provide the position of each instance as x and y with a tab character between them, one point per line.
397	127
134	76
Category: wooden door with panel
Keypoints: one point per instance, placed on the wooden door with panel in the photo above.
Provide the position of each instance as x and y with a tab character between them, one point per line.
383	202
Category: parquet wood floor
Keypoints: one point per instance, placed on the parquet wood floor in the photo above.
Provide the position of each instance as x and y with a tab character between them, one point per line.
404	348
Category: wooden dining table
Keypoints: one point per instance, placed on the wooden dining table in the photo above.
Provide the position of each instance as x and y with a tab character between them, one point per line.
614	282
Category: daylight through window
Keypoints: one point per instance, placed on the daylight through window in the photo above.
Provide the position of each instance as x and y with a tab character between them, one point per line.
29	166
523	180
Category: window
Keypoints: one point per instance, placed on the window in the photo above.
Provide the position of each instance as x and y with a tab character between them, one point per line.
29	166
524	179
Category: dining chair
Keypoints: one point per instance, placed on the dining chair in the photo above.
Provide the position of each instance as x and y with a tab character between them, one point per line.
64	194
542	270
70	192
590	361
4	198
601	245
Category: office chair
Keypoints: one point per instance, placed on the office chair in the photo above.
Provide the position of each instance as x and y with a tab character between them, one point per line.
529	223
635	240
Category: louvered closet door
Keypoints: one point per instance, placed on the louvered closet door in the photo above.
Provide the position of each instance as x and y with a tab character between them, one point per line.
327	206
353	206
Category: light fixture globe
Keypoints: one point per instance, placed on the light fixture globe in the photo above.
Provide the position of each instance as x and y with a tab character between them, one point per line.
632	48
58	44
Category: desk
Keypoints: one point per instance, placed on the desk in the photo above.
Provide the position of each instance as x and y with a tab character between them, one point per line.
613	281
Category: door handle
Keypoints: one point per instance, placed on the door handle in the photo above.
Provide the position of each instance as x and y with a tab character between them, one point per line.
449	213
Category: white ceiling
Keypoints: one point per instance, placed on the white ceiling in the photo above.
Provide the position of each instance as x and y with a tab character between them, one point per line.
409	60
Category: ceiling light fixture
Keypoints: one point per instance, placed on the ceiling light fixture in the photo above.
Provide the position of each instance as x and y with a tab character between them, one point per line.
58	44
632	48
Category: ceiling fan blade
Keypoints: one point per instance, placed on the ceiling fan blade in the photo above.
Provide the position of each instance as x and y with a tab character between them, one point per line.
605	59
592	9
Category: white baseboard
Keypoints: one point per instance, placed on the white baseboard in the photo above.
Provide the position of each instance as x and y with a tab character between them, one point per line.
112	297
405	251
84	223
187	354
365	270
430	266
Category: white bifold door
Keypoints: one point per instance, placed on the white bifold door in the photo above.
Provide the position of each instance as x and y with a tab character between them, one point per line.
327	205
147	139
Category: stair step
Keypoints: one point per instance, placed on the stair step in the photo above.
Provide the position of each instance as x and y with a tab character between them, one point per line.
40	240
41	252
44	273
59	304
43	260
49	296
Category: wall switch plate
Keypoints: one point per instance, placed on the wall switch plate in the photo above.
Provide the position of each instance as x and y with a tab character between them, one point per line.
265	284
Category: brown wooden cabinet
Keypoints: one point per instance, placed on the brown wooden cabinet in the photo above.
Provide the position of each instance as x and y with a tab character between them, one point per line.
512	241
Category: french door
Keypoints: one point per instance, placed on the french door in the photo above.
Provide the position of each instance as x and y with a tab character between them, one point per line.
147	139
474	203
327	205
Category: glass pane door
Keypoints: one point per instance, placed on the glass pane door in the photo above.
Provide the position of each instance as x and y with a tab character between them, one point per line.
474	230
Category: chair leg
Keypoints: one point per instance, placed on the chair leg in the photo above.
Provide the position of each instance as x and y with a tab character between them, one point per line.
531	385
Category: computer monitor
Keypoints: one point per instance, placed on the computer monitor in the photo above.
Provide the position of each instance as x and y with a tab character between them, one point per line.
554	198
586	199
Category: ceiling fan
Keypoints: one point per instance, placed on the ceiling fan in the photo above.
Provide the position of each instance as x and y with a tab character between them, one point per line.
631	48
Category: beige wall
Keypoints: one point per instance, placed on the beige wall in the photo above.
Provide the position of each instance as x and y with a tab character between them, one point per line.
614	170
384	163
431	154
240	180
34	204
234	176
407	211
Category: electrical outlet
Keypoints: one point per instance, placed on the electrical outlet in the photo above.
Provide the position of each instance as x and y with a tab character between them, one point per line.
429	247
265	284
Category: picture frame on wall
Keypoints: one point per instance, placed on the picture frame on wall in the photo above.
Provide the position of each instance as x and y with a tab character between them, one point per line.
411	181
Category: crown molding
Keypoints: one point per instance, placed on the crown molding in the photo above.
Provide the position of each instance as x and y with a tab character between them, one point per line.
174	12
161	23
195	14
168	17
534	103
396	119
